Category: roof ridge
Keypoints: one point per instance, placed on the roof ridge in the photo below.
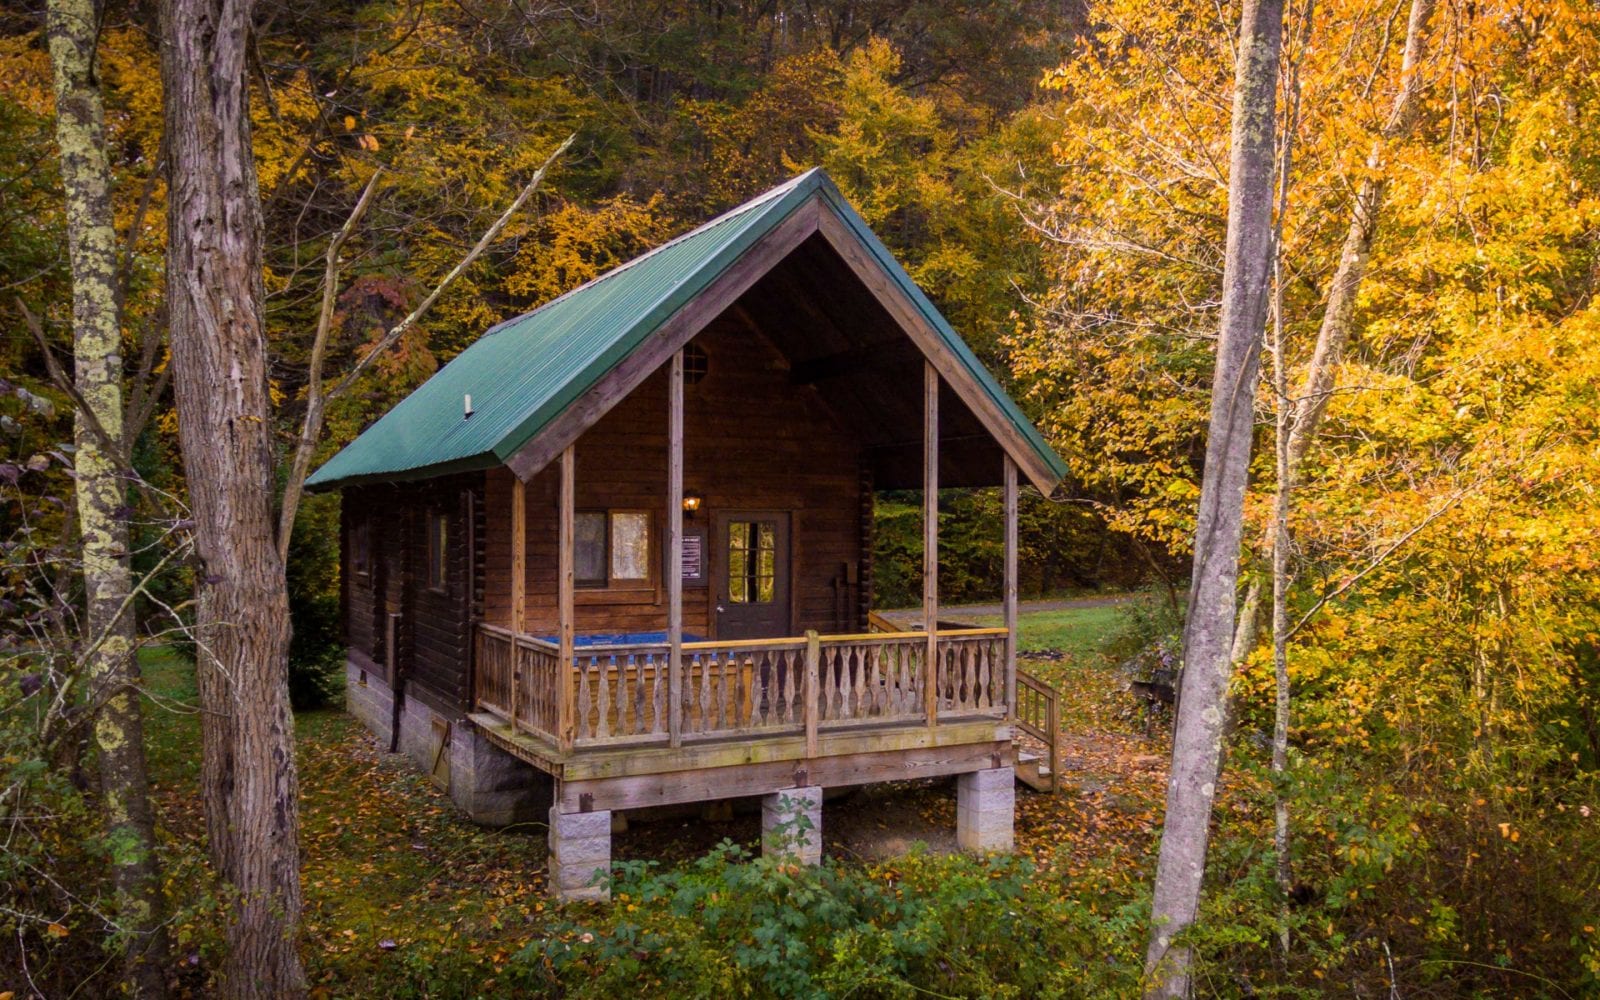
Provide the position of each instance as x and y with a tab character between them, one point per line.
758	201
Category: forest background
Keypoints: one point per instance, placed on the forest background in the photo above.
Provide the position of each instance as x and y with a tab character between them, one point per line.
1054	175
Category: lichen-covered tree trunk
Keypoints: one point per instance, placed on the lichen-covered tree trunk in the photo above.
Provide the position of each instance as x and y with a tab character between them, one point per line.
1208	630
214	290
111	665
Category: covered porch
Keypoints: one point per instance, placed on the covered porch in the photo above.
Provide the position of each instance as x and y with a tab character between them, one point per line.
569	692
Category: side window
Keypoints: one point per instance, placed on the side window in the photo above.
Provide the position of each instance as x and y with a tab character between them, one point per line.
361	547
589	558
438	550
611	548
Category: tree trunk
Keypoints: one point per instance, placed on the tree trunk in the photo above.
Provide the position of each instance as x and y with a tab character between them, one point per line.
1338	318
220	384
1208	630
111	665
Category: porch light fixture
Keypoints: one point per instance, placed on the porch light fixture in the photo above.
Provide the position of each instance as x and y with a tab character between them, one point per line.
691	502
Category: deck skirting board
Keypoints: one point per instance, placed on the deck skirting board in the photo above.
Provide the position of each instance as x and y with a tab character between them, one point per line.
735	781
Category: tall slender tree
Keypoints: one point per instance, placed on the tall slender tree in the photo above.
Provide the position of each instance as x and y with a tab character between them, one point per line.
110	660
1208	630
219	361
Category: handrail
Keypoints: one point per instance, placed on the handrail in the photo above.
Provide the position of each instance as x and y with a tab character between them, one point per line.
1038	713
877	620
796	641
799	641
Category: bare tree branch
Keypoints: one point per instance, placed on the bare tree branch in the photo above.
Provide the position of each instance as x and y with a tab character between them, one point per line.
63	381
316	398
1378	560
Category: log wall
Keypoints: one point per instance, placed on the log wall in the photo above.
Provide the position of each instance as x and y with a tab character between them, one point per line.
433	636
753	441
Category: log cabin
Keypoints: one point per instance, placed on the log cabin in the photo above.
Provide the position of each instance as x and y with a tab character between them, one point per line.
618	553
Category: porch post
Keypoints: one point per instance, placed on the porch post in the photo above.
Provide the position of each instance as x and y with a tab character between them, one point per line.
565	723
675	549
519	586
1011	586
930	537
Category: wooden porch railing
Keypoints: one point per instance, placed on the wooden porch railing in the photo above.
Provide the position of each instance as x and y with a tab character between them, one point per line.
1039	715
516	679
732	688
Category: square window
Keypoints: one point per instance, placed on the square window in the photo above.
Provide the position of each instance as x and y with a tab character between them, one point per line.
611	548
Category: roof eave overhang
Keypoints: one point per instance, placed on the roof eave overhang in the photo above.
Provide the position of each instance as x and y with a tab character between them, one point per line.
472	463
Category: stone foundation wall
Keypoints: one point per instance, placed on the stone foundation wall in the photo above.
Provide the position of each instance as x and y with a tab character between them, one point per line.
491	786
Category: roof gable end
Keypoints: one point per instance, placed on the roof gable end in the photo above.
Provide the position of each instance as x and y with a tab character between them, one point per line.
537	381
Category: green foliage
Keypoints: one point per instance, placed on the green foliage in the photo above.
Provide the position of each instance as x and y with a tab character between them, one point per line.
1061	547
316	649
732	924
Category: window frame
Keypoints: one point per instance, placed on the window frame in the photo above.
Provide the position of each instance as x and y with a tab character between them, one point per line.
438	551
614	584
751	552
361	546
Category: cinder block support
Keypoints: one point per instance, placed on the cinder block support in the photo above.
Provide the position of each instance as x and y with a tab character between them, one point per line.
491	786
985	809
791	824
580	854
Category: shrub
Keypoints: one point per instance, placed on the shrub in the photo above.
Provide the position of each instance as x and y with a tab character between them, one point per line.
732	924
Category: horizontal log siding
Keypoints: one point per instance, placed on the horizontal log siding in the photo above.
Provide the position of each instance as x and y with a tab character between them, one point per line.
434	641
753	441
357	610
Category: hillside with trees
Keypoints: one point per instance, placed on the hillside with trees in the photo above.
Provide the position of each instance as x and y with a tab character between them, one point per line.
1304	294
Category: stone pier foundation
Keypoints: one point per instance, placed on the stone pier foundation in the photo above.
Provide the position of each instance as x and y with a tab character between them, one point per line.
580	854
985	808
791	824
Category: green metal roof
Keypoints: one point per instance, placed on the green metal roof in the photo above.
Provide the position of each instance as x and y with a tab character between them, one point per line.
525	371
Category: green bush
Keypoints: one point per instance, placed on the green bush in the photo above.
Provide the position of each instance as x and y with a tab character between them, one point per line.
732	924
316	649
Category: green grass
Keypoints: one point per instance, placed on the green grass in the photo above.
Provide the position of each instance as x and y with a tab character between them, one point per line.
1078	632
400	888
171	722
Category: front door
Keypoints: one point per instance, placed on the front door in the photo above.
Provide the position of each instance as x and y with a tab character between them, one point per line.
752	570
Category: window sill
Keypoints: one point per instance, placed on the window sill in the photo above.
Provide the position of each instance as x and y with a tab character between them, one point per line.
641	594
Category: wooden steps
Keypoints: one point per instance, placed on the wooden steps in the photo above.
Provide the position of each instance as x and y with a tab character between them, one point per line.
1035	772
1038	715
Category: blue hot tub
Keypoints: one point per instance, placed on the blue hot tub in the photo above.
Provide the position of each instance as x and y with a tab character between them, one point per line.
623	639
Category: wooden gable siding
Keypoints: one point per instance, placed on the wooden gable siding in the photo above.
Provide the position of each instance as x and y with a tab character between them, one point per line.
433	638
753	441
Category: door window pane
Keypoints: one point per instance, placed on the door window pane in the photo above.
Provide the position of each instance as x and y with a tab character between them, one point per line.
589	555
752	562
738	557
766	562
630	545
